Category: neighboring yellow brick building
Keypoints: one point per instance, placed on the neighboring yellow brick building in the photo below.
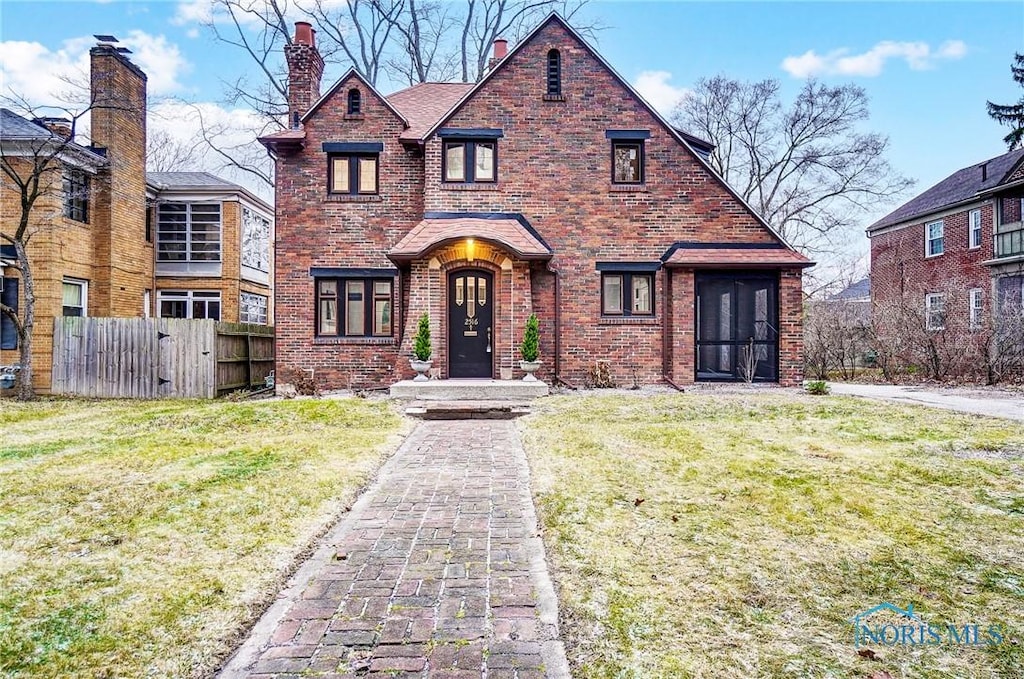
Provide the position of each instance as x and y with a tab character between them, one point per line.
111	240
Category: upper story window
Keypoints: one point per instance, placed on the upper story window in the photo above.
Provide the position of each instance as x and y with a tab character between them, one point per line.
934	242
935	311
353	168
974	229
76	194
355	102
354	307
554	73
255	240
628	155
470	161
188	232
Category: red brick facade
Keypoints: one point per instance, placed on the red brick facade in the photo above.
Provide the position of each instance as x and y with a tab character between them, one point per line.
554	170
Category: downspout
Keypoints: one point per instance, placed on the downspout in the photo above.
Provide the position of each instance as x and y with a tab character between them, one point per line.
558	326
666	343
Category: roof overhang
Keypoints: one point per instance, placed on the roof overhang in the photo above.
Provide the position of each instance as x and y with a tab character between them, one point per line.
694	255
508	231
64	151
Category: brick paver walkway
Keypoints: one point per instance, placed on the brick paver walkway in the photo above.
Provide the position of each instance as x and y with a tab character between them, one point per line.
437	572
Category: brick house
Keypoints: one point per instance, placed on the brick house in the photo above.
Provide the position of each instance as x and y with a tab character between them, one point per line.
111	240
548	187
955	248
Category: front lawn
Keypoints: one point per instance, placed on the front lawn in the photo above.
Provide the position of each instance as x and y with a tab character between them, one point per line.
737	535
142	538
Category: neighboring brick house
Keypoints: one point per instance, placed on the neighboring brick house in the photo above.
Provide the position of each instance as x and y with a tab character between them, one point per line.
549	187
98	215
954	249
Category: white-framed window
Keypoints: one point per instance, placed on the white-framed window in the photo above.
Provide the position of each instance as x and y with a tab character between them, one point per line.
188	304
147	303
974	229
252	308
935	311
976	299
188	232
934	244
75	297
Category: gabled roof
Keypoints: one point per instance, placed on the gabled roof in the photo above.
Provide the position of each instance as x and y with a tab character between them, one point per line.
699	156
858	290
961	186
352	73
425	104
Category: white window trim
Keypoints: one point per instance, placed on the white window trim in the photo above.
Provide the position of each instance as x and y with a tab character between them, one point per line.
928	311
84	285
241	307
971	245
974	313
187	296
188	232
928	239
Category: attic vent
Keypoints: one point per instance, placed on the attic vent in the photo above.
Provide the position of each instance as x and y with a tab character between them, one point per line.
984	171
554	73
355	104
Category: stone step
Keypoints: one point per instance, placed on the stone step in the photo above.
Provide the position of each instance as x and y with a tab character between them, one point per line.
467	410
469	390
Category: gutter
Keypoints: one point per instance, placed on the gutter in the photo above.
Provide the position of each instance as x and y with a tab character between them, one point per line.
558	326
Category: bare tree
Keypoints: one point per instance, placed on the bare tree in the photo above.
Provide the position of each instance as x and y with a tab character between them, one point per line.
805	167
165	153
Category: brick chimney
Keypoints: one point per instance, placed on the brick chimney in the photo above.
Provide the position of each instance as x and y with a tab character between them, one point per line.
122	259
305	68
59	126
500	50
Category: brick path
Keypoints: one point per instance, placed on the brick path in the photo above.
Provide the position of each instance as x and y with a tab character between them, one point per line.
436	572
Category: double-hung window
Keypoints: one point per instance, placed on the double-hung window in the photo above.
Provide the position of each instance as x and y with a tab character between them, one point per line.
354	307
976	299
628	158
353	168
75	297
188	232
935	311
627	293
974	229
934	238
76	194
469	156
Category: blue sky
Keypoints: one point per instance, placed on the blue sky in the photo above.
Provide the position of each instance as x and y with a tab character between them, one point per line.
927	67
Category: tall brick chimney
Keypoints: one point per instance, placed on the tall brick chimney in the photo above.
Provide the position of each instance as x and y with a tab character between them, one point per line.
305	68
500	50
59	126
122	259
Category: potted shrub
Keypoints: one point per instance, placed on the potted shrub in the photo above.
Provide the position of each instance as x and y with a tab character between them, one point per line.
421	350
530	348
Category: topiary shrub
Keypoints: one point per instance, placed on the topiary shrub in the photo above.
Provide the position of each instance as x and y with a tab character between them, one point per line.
530	348
421	349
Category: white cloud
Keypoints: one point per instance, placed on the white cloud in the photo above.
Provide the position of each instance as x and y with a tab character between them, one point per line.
44	76
654	86
919	56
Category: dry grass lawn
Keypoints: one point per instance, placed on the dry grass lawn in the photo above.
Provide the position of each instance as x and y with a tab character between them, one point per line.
141	538
736	535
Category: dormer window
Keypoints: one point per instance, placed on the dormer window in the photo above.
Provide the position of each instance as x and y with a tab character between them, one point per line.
554	73
355	103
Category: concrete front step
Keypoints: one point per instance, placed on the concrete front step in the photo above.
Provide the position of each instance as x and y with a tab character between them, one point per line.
469	390
467	410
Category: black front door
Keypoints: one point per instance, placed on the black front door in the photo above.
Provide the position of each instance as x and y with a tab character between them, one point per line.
470	327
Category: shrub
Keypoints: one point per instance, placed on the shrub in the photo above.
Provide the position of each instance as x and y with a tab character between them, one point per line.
817	387
530	348
421	348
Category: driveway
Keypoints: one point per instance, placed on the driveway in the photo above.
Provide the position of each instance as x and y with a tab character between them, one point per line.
974	401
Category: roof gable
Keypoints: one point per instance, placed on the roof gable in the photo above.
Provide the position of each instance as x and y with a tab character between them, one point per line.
340	84
677	135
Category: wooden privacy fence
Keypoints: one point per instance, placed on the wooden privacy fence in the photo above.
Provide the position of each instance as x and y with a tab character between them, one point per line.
158	357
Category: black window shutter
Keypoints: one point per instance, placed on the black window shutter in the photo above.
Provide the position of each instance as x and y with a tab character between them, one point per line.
9	297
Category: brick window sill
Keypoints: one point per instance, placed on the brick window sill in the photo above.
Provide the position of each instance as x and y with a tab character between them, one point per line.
553	97
349	198
354	116
365	341
471	187
629	320
627	188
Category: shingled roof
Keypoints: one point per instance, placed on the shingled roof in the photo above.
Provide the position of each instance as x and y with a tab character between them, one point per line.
961	186
426	103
